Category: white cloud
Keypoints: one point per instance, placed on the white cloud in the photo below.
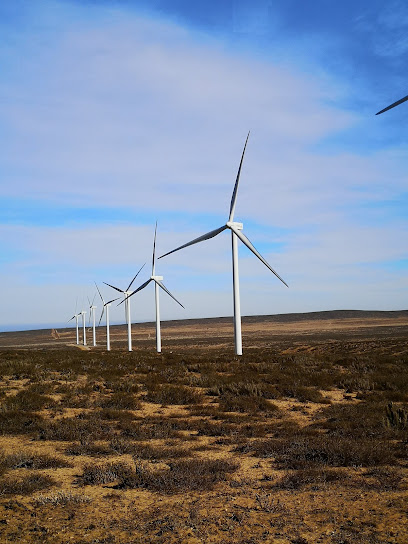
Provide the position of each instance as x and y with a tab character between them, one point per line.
123	110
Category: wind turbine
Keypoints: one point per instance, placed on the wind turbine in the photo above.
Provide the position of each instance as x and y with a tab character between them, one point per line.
397	103
236	232
106	305
76	316
126	294
157	283
83	325
92	309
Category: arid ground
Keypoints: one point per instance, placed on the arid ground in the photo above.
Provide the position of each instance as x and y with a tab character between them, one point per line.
302	440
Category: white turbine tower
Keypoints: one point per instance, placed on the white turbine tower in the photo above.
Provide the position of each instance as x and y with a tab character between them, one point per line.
236	232
157	283
126	294
92	309
83	325
106	305
76	317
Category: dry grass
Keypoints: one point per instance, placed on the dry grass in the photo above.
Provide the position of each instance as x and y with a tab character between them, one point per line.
298	442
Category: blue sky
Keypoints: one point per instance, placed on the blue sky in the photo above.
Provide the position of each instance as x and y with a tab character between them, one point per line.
116	113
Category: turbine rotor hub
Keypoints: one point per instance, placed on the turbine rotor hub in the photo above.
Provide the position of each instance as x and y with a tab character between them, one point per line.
235	225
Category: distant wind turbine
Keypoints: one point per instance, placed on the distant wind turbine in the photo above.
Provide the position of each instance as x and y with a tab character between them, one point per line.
157	283
397	103
236	232
106	305
83	325
76	317
92	309
126	294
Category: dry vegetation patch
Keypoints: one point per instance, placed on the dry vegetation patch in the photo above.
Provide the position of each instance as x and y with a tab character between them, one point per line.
293	444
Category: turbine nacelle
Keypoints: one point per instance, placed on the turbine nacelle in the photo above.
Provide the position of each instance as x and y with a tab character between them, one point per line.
233	225
156	278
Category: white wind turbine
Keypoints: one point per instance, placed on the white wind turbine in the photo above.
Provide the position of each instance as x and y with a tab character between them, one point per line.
126	294
83	325
236	232
106	305
92	309
76	317
157	283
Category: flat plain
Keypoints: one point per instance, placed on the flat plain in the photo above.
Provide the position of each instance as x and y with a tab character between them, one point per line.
302	440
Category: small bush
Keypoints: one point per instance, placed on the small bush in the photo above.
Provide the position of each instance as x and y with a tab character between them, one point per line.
88	448
26	401
304	394
172	394
25	485
304	452
32	461
73	429
17	422
251	405
61	498
102	474
396	417
310	476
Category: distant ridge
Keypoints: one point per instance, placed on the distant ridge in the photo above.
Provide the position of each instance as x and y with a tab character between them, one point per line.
305	316
276	318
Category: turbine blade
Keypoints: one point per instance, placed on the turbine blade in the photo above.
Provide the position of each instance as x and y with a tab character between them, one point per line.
76	304
137	290
154	251
249	245
73	317
235	191
113	287
110	301
93	300
159	283
130	284
99	293
89	302
397	103
100	319
207	236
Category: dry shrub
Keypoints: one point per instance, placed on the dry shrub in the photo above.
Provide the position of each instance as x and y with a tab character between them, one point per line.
310	476
71	429
194	474
246	389
88	448
182	475
361	419
103	474
148	430
305	452
61	498
31	460
304	394
173	394
18	422
247	404
25	485
26	401
396	417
